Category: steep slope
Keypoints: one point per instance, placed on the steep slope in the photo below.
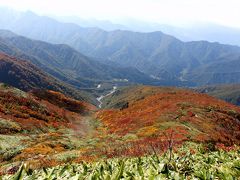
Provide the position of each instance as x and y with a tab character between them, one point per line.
157	54
24	75
229	93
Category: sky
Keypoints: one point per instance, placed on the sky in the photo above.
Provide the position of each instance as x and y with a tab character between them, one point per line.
172	12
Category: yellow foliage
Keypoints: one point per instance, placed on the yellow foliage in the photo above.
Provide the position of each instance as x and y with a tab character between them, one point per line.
147	131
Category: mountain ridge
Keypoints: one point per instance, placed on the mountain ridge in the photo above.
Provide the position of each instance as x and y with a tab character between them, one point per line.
66	63
156	54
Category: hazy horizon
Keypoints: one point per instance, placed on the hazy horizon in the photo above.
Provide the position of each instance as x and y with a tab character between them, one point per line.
176	13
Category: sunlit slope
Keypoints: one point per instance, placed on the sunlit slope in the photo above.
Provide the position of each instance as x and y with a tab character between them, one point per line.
145	112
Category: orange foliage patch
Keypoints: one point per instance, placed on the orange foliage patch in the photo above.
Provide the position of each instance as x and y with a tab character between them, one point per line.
62	101
31	113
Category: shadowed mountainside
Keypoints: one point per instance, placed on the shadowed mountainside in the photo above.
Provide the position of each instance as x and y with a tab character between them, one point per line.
26	76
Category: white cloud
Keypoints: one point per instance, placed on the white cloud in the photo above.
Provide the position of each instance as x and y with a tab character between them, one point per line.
225	12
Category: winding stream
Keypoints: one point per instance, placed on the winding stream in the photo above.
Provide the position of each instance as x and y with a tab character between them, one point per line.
99	99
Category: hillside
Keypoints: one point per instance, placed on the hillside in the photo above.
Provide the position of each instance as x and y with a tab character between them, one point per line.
46	128
229	93
32	127
27	113
149	111
159	55
24	75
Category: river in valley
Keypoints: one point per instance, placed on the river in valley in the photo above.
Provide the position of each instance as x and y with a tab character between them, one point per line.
100	99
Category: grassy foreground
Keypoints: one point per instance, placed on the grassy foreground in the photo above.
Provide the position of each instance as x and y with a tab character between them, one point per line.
191	161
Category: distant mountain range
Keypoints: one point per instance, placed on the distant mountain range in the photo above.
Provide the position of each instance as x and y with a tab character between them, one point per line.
67	64
102	24
192	32
160	56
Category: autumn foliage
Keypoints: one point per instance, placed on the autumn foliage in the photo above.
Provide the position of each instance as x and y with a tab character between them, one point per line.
193	116
34	113
48	128
62	101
